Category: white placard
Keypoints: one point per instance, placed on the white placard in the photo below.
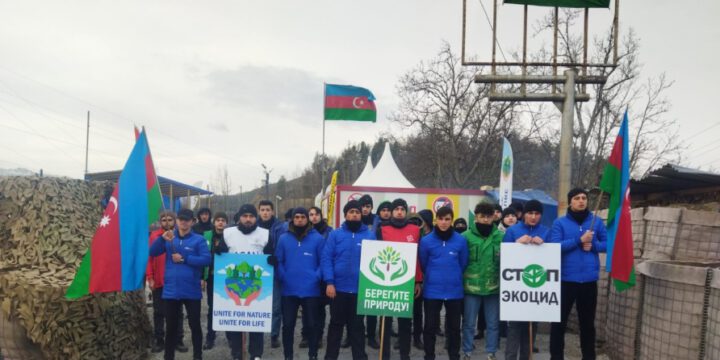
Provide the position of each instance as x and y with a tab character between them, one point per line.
530	282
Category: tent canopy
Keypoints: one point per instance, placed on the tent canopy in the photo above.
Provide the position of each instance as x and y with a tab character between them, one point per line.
550	205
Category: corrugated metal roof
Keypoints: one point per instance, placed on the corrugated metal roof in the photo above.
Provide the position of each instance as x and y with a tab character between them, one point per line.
178	189
673	178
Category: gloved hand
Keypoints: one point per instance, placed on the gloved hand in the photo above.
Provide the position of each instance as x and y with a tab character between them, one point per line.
272	260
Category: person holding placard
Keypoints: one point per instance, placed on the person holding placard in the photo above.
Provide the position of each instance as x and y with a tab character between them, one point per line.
247	238
530	232
443	258
400	230
341	266
581	235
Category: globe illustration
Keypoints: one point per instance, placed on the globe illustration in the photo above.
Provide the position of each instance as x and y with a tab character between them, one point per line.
243	283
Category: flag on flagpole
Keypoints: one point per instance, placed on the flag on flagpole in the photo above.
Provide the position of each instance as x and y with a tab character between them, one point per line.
118	254
564	3
506	175
345	102
616	182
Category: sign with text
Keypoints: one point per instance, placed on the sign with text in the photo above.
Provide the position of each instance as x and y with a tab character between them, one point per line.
530	282
242	293
387	278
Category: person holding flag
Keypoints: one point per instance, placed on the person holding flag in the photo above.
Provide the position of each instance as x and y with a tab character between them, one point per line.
582	236
187	255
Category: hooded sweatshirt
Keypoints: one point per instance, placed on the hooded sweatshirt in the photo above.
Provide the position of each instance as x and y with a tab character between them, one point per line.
201	227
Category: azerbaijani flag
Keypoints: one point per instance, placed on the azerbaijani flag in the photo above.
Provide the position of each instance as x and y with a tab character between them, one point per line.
564	3
118	254
616	182
345	102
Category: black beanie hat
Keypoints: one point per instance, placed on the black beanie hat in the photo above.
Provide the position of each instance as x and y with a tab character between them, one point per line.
533	205
221	215
459	221
399	202
352	204
299	210
498	207
509	211
518	206
574	192
288	214
427	216
384	205
247	209
365	200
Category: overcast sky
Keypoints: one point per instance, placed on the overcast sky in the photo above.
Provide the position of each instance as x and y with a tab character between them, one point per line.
239	83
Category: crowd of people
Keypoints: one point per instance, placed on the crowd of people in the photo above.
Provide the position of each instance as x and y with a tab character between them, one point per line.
317	267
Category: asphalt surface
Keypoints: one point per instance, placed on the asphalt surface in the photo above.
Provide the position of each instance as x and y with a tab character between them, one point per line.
222	350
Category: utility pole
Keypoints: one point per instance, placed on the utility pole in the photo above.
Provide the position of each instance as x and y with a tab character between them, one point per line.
267	181
87	142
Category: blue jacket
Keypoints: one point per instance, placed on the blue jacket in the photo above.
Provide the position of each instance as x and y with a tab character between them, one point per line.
182	280
443	264
520	229
299	263
578	265
341	257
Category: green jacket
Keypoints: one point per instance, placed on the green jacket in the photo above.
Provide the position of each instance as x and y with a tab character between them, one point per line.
208	238
482	275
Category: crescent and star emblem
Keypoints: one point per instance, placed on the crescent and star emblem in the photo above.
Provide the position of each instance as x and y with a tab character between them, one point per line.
113	201
358	102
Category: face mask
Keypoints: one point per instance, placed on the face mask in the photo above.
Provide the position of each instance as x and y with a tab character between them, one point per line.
484	229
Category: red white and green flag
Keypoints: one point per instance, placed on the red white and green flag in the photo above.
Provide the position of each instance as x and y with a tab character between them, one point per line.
616	182
346	102
564	3
118	254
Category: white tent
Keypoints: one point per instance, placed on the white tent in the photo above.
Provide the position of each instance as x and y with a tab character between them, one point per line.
365	175
385	174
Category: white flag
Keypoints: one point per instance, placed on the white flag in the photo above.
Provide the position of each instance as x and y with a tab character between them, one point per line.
506	175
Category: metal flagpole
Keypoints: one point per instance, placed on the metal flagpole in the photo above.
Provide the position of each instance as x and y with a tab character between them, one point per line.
322	158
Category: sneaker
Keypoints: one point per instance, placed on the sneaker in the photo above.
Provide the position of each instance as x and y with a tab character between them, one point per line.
274	342
303	343
491	357
209	344
181	347
373	343
466	356
157	347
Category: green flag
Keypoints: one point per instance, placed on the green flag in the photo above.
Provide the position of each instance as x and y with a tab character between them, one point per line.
563	3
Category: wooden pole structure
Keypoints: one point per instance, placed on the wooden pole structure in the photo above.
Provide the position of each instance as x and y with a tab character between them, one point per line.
382	336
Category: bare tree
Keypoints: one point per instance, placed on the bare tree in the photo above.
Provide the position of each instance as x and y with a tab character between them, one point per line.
653	137
440	99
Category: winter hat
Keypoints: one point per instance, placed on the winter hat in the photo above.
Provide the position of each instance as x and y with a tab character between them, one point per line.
574	192
399	202
518	206
533	205
299	210
185	214
221	215
288	214
352	204
498	207
204	210
247	209
427	216
365	200
384	205
459	221
509	211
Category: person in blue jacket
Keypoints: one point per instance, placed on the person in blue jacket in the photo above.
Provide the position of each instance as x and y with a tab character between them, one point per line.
298	256
582	236
341	267
316	219
443	259
529	232
187	255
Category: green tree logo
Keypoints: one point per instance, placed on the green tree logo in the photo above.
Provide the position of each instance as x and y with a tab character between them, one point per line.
384	263
534	276
506	166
